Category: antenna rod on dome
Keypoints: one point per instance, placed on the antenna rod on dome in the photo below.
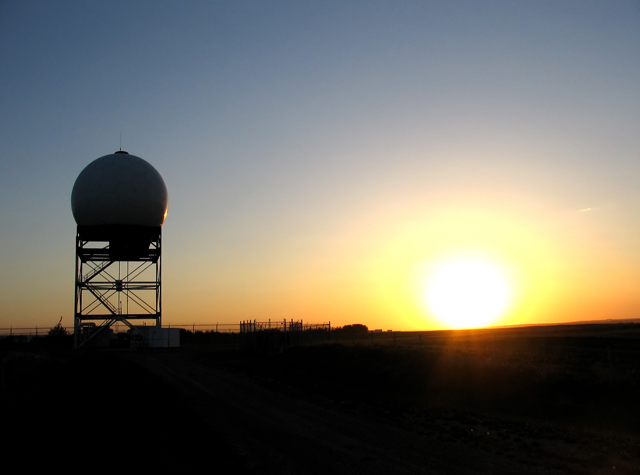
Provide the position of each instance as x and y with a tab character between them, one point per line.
121	141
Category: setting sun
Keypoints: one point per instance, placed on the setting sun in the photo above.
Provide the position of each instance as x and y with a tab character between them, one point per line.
467	292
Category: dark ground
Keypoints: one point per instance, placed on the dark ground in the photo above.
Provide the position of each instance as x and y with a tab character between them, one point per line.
104	410
531	400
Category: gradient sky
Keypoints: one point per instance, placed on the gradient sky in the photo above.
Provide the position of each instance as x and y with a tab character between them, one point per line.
318	154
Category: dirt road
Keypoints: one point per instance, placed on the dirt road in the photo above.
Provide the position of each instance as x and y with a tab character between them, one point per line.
272	429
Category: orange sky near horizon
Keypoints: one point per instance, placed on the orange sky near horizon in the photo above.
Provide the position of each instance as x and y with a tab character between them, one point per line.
374	273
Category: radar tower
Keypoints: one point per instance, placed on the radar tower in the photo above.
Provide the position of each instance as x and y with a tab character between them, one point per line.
119	202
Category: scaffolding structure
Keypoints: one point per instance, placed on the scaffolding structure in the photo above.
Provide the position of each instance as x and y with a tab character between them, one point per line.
118	279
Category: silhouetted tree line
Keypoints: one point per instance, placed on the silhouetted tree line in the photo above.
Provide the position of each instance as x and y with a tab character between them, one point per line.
353	329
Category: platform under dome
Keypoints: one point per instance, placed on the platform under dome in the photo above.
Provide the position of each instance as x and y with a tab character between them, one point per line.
119	189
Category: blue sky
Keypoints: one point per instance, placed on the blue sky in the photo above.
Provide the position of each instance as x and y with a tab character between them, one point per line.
314	150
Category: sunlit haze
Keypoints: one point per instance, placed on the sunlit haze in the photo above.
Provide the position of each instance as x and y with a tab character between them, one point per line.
401	164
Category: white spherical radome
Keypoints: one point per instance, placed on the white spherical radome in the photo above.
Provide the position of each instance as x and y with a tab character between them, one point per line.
119	189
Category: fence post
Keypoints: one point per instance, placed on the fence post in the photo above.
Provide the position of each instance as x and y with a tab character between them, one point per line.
610	366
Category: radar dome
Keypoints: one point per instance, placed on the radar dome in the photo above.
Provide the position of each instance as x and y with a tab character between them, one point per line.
119	189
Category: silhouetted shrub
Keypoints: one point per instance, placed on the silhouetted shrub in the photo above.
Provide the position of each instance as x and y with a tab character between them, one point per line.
353	328
58	330
58	337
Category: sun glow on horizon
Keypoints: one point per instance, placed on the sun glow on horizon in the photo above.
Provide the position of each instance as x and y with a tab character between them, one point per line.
467	292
